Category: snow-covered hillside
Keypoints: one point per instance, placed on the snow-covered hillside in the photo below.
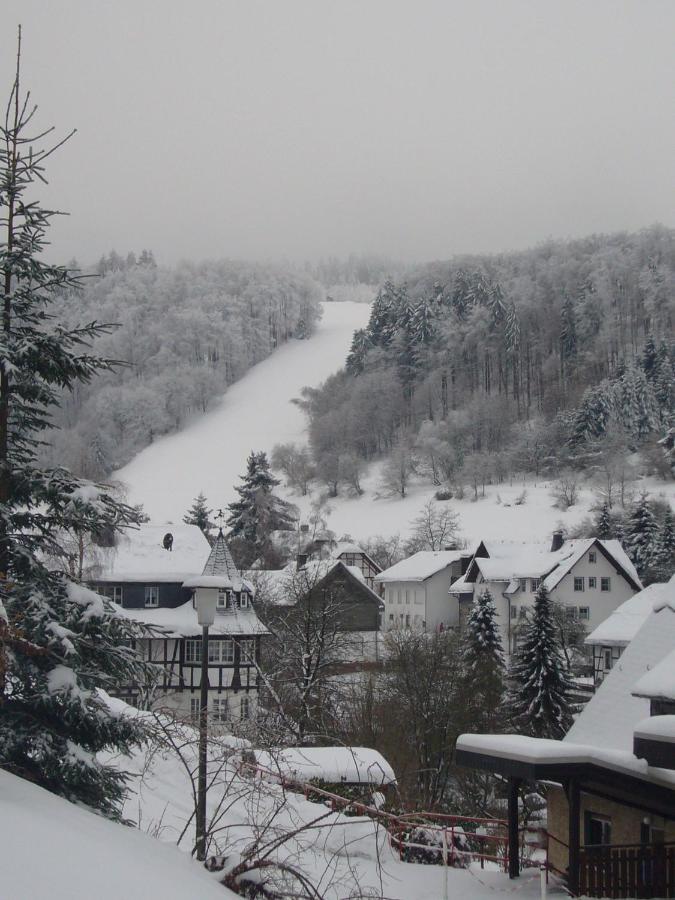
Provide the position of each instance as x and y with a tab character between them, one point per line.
257	412
254	414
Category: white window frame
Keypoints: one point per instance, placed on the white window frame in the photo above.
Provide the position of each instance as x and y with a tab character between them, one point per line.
522	584
194	709
220	708
535	584
151	596
221	600
606	584
584	613
221	652
592	557
243	600
581	582
245	708
592	583
193	650
514	611
247	651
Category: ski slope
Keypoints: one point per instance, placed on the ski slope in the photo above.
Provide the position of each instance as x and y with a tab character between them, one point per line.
256	413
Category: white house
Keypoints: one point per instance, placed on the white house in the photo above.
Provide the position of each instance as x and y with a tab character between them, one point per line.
590	577
608	641
416	590
153	574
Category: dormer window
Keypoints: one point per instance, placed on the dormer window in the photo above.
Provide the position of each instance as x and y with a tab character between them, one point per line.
152	595
221	602
244	600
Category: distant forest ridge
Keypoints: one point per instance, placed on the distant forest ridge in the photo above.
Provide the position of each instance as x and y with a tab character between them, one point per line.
184	334
517	360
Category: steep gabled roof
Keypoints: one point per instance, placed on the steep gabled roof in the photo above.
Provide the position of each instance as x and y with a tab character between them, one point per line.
139	555
621	626
610	716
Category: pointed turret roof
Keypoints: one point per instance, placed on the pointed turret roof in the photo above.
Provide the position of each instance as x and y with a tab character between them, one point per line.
220	560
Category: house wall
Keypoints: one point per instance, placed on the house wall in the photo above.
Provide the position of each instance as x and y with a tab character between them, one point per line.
404	599
626	822
441	608
171	594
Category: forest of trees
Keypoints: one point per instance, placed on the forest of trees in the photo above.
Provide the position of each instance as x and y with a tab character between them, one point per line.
185	333
518	361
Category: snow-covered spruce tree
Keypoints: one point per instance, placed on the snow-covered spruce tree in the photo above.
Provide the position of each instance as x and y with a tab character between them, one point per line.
258	512
539	686
484	668
200	515
61	641
641	536
604	528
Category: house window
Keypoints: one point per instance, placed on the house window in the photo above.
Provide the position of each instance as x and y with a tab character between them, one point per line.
608	658
398	596
523	612
605	584
194	709
571	612
245	708
407	597
584	613
193	651
243	603
220	709
152	595
578	583
221	651
112	592
523	584
221	602
514	612
407	621
598	829
592	557
592	583
391	617
534	584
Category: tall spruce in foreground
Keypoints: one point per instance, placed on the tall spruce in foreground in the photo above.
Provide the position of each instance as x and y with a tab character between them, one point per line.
641	536
60	642
484	667
539	691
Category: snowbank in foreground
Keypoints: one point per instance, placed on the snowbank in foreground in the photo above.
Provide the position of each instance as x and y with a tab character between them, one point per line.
50	848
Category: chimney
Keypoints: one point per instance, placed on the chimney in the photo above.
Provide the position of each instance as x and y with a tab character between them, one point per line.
302	559
558	541
451	546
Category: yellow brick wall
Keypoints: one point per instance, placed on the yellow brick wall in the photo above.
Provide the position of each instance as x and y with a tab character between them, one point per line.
625	822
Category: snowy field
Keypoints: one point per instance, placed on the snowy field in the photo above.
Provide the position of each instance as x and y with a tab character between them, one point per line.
256	413
210	454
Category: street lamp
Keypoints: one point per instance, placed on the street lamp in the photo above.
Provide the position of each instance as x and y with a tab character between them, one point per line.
205	604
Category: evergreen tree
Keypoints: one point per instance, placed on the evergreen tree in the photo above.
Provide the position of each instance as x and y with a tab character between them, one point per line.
650	358
357	353
258	512
200	515
65	642
539	691
604	527
641	535
568	330
663	561
593	414
484	662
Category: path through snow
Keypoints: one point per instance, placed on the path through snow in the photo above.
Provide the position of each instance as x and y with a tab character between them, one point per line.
254	414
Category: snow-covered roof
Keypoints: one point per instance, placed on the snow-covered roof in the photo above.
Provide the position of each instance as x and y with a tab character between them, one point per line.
660	727
139	555
283	587
510	560
611	714
181	621
347	547
659	682
420	566
565	752
354	765
621	626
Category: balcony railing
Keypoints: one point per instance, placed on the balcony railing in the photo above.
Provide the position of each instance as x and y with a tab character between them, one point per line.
627	870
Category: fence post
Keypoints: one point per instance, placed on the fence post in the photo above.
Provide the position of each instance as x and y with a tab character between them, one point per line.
445	864
543	871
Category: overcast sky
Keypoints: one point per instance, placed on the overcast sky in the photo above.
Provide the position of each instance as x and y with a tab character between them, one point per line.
301	128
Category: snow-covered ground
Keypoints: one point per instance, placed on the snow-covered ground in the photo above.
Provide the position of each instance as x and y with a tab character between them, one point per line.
210	454
52	848
256	413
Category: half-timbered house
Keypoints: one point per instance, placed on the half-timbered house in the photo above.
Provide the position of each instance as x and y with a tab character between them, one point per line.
154	574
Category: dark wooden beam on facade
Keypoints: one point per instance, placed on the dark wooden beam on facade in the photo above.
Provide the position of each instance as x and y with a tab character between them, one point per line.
514	849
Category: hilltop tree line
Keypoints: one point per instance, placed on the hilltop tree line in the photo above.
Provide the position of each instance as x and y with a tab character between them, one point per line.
184	335
535	355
